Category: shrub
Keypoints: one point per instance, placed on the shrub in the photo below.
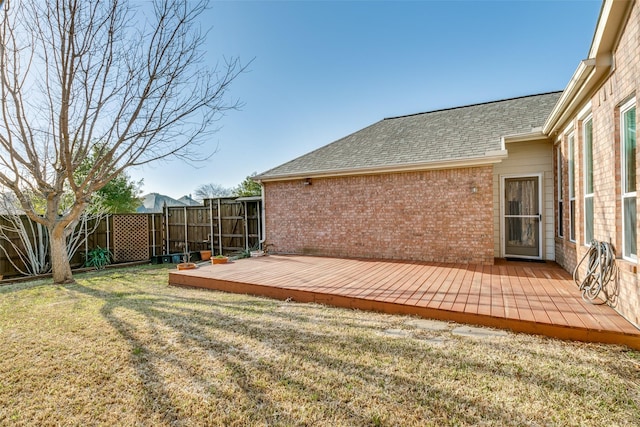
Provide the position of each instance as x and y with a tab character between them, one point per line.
98	258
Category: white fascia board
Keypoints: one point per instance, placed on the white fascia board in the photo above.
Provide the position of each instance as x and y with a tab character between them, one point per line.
612	17
490	158
605	12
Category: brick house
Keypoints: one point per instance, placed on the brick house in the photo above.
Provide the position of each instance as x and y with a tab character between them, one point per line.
593	128
534	177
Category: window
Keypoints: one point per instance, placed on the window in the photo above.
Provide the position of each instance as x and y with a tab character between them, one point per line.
572	192
628	149
560	193
588	180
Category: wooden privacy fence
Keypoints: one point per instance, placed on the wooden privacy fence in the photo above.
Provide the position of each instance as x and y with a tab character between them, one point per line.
222	225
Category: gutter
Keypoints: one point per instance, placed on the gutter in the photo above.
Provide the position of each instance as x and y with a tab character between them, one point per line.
534	135
591	71
567	103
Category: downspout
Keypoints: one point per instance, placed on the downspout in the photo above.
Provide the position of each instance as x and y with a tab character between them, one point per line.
263	230
153	234
108	216
246	226
219	228
165	208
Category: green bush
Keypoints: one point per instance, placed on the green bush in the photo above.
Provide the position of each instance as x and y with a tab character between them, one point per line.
98	258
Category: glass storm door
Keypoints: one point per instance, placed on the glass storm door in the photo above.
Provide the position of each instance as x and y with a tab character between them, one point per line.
522	217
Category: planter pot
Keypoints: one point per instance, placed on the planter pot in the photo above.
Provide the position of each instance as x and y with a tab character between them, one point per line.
223	260
186	266
257	253
205	255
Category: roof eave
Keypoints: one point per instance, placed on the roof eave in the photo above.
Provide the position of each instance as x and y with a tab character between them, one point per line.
591	70
491	157
578	88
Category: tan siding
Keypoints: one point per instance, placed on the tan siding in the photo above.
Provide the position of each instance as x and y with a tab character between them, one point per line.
530	157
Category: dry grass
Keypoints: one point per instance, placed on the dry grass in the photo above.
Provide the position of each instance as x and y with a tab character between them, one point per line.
123	348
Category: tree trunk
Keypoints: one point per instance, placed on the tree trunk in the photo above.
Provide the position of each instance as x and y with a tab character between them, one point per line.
59	257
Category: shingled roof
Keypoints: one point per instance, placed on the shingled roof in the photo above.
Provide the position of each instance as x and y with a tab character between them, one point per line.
469	133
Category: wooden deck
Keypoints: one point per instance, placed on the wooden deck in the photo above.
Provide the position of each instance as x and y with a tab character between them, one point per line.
537	298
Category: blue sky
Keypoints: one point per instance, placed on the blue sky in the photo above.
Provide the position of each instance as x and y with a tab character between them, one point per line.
324	69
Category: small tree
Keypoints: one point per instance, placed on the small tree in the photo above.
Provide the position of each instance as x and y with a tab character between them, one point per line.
78	77
120	195
248	187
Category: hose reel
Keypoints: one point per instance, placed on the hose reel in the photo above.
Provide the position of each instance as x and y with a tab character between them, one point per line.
600	270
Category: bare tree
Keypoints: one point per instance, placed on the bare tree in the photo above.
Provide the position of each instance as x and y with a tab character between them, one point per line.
211	190
78	76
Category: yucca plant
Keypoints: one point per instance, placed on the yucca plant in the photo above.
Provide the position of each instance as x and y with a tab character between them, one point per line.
98	258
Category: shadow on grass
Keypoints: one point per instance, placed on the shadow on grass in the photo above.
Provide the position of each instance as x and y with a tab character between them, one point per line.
261	361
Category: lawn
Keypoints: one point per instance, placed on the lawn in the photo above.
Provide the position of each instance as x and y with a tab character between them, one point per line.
120	347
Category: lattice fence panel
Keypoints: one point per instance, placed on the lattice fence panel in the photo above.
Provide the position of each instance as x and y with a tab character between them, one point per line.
130	238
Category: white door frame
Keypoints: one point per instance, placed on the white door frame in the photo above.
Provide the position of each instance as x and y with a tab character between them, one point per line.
540	206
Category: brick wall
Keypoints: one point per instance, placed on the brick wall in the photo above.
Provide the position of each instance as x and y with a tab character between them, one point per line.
620	86
425	216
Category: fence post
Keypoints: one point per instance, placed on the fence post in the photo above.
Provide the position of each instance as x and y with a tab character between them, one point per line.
211	225
108	230
86	237
153	234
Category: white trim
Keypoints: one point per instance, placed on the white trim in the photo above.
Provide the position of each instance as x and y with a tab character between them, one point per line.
560	192
571	184
628	104
569	129
541	236
585	112
623	109
585	196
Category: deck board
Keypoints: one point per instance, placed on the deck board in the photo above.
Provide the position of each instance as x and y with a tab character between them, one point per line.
536	298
